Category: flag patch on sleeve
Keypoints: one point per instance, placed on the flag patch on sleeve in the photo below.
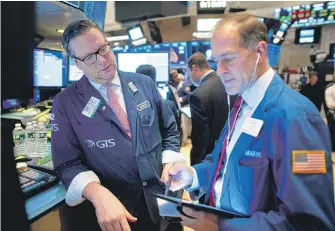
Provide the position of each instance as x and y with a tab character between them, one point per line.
307	161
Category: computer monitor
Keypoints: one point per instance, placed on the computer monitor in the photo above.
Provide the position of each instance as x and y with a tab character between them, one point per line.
178	52
49	68
160	60
332	51
203	47
307	35
74	72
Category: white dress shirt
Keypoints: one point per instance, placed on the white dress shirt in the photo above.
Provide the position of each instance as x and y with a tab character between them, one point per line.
251	99
75	190
115	84
330	97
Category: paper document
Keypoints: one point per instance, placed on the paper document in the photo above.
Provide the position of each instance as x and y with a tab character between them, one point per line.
186	111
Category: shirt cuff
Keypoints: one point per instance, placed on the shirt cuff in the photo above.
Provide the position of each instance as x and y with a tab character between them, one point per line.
170	156
195	182
74	194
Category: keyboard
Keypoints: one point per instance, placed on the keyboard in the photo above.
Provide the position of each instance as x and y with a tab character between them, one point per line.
33	181
44	164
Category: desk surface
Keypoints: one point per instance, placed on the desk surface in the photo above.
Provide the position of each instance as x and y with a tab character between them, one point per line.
44	201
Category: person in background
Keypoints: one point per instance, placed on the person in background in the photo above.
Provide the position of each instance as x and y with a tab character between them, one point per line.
209	107
184	89
330	109
149	70
314	91
272	163
114	138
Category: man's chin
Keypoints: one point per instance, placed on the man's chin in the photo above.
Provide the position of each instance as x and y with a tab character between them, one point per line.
232	92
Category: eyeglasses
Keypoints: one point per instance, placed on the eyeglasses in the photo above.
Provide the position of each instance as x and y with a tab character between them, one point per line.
92	58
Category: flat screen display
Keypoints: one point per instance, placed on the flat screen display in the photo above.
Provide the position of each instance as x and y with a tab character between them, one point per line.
74	72
135	33
178	51
203	47
49	68
129	62
307	14
307	36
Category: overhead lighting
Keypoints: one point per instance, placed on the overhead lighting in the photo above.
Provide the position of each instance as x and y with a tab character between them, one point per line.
60	30
117	38
116	44
202	35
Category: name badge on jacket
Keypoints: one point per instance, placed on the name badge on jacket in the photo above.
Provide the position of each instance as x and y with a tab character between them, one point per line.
252	126
91	107
143	105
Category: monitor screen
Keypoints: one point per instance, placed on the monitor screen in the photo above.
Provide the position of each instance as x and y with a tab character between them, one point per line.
74	73
10	103
164	89
141	49
178	52
273	54
332	51
203	47
130	61
135	33
49	68
117	49
307	36
307	14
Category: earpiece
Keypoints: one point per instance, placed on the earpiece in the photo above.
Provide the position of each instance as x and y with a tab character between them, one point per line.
257	60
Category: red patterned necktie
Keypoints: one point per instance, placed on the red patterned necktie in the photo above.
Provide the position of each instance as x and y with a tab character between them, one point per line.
117	109
220	165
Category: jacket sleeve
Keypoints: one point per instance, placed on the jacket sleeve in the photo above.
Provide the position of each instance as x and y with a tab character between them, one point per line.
65	148
200	129
304	201
167	122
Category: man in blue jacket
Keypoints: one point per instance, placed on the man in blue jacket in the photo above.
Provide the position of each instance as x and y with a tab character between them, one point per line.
272	162
109	130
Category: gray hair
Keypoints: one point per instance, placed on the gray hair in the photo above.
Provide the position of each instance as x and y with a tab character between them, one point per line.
75	29
251	30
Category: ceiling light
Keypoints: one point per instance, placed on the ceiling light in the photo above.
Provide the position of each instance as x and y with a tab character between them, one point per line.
60	31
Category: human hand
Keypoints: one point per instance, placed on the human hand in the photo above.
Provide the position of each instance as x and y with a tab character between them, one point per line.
111	214
182	175
200	221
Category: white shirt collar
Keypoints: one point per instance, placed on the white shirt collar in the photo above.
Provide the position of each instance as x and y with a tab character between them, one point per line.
115	81
207	73
257	90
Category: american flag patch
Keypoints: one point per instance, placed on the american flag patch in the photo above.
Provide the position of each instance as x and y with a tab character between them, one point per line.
304	161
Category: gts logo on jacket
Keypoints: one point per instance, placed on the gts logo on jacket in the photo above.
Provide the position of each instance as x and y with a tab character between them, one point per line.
100	144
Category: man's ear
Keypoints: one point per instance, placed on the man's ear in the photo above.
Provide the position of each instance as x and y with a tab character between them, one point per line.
194	68
262	50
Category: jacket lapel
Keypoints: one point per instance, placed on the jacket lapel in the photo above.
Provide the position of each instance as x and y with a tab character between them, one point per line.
244	141
85	90
131	102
